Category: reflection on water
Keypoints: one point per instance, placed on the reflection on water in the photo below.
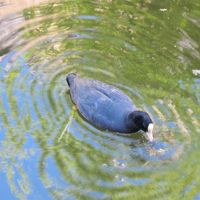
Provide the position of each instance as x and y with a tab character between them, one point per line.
149	50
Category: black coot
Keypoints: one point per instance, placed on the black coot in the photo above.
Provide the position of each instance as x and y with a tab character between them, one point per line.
107	107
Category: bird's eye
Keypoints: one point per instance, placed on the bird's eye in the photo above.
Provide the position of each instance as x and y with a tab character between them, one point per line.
144	126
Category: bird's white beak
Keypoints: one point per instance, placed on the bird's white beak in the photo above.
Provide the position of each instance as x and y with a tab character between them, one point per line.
149	133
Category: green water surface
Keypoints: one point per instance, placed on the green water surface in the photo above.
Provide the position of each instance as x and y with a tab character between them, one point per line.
150	49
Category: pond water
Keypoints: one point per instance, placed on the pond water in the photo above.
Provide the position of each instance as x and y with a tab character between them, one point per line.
149	49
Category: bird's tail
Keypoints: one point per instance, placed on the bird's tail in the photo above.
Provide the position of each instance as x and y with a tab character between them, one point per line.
70	78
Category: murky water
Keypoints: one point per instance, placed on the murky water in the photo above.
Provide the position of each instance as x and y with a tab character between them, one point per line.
149	49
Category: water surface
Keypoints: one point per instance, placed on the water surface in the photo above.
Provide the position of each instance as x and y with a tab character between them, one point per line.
149	49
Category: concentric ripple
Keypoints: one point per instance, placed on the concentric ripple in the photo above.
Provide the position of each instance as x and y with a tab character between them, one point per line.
148	50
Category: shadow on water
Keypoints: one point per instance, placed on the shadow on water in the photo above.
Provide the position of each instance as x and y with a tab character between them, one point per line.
149	50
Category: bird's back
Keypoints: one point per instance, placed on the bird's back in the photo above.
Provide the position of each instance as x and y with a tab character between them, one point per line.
102	104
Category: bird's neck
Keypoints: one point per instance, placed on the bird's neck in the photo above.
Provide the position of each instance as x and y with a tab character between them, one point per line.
130	124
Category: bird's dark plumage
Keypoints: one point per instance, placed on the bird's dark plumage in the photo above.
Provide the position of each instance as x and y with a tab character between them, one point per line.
105	106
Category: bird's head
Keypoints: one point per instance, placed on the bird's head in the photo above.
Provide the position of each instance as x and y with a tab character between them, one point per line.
142	121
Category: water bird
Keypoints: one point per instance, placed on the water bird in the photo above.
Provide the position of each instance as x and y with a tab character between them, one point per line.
107	107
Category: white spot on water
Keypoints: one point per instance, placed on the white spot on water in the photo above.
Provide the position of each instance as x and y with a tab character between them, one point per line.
196	72
163	9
